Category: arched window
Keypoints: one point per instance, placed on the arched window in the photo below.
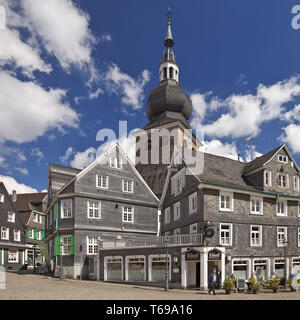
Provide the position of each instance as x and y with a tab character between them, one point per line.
171	71
165	72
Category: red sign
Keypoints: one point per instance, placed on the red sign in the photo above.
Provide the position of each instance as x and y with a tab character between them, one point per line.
192	255
214	255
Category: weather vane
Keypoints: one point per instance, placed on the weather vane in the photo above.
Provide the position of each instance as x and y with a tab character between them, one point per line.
169	14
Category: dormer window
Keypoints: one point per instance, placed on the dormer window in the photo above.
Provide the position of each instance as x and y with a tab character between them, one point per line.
1	198
115	162
11	217
282	159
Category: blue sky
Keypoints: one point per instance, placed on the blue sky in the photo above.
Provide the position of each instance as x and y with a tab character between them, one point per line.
70	68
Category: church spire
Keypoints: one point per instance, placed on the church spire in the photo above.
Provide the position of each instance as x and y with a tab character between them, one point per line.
168	69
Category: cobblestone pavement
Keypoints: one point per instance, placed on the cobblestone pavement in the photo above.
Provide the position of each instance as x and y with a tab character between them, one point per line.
36	287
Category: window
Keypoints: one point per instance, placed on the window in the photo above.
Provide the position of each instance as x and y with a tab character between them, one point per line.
225	234
94	209
283	180
178	182
30	233
115	162
279	266
256	205
38	235
66	245
92	245
177	211
37	218
4	233
171	71
240	269
1	198
165	72
296	183
167	215
193	203
281	236
226	202
66	208
101	181
268	178
11	217
255	236
17	235
193	228
127	186
136	268
13	256
158	266
281	208
128	214
260	269
282	159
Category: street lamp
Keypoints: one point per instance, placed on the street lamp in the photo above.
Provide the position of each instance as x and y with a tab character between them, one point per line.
166	241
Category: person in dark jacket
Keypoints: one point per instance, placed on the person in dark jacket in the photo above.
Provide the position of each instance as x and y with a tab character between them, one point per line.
213	281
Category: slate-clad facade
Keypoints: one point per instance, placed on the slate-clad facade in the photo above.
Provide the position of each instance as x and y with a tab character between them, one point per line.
108	200
12	233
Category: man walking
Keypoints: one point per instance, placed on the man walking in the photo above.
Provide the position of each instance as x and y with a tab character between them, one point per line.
212	281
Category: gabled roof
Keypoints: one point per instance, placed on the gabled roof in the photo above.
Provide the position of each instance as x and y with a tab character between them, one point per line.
262	161
29	201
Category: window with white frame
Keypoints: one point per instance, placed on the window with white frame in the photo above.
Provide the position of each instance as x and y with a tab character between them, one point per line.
281	236
66	208
193	228
226	201
167	215
4	233
92	245
94	209
296	183
279	267
13	256
1	198
17	235
101	181
193	203
115	162
127	185
177	211
65	241
282	159
256	205
256	236
281	208
30	233
178	182
128	214
11	216
225	234
268	178
283	180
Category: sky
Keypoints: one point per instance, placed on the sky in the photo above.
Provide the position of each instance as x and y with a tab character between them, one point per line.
69	68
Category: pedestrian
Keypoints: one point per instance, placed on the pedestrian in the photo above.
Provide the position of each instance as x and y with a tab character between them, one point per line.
212	281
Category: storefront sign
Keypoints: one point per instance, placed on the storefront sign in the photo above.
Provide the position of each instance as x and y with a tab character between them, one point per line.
192	255
214	255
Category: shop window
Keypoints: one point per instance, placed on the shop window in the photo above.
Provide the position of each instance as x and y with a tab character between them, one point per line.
136	269
114	270
279	267
158	266
260	269
240	269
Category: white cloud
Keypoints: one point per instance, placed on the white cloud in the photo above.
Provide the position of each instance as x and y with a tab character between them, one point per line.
11	184
251	153
27	110
216	147
130	90
95	95
36	152
21	158
64	159
13	51
246	113
82	159
291	136
63	29
106	37
2	162
23	171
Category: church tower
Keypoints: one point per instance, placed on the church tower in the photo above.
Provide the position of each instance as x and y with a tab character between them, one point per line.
168	108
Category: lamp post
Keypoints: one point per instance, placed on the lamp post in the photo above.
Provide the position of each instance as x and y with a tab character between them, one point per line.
61	264
166	241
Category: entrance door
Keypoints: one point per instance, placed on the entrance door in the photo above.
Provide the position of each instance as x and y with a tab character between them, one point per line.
213	265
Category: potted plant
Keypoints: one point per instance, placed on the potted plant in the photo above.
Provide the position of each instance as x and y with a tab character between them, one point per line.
289	283
274	284
254	285
228	285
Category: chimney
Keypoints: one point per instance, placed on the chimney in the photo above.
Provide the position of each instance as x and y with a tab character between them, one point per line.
14	195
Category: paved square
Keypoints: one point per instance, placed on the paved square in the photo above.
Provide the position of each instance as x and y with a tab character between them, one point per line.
36	287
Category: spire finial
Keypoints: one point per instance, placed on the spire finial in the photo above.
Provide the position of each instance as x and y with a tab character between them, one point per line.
169	42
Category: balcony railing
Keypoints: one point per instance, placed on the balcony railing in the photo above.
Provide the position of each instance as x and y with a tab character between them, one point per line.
185	239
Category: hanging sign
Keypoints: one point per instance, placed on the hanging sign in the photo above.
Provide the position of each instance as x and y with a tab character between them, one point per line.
214	255
192	255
